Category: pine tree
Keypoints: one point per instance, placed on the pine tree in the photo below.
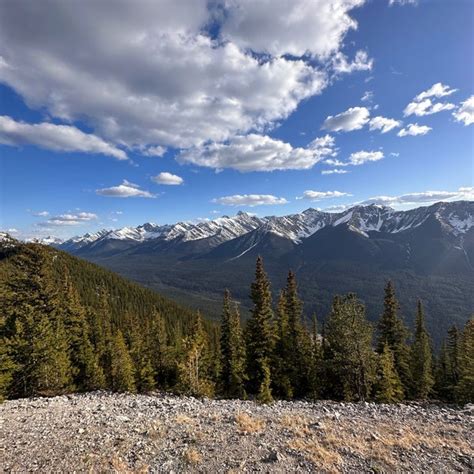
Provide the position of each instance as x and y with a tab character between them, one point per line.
193	369
388	388
7	369
349	355
392	331
443	386
260	335
281	355
465	388
161	351
298	360
422	363
232	349
121	370
315	374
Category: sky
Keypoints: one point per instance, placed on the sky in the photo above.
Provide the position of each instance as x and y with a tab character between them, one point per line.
162	111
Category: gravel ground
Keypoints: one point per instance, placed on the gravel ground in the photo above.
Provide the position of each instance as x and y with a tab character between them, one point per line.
104	432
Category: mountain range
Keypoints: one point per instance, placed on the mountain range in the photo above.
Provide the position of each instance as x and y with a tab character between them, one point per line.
427	251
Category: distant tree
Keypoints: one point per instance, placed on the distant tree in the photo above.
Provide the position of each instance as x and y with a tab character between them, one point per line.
465	388
388	388
260	337
422	359
122	371
232	375
349	355
392	331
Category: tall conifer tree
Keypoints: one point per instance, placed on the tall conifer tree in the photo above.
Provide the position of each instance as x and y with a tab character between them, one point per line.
422	359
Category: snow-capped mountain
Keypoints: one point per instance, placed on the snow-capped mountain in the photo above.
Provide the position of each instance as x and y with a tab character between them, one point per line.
456	218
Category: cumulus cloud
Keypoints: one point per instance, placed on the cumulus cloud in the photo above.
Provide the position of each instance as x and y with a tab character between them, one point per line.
250	200
352	119
158	151
318	195
384	124
315	28
168	179
334	171
465	112
40	214
125	190
49	136
361	62
259	153
69	219
148	73
426	197
414	129
423	105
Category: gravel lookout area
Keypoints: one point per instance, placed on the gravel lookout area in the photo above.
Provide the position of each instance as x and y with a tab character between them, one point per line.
105	432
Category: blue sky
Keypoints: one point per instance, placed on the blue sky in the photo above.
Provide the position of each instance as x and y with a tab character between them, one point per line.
164	113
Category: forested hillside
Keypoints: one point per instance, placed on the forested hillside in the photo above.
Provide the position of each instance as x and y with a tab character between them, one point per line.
67	325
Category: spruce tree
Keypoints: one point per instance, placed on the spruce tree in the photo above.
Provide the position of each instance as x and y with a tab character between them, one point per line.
392	331
298	359
281	355
421	358
232	349
315	373
349	355
260	335
465	388
388	388
121	370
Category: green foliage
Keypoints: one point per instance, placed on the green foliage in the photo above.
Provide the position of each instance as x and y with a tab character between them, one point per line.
193	369
349	354
393	332
465	388
388	388
422	359
260	336
232	349
121	367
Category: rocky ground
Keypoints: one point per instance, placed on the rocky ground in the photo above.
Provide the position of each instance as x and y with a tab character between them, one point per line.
103	432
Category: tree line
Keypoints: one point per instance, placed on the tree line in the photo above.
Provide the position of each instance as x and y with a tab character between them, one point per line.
67	325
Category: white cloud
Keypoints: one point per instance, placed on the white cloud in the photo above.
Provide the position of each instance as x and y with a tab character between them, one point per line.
361	62
361	157
168	179
125	190
426	197
158	151
69	219
250	200
49	136
318	195
259	153
147	73
426	107
383	124
40	214
465	113
277	27
367	97
352	119
423	105
334	171
414	129
395	154
436	90
403	2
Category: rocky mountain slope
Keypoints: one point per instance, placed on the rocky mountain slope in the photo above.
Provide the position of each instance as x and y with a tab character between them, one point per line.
162	433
